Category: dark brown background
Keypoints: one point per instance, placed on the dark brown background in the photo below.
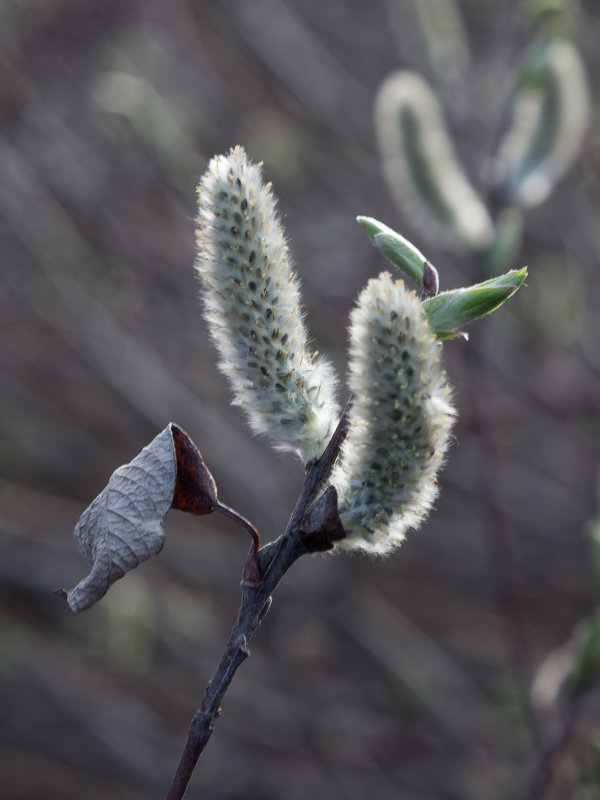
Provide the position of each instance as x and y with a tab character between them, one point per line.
370	678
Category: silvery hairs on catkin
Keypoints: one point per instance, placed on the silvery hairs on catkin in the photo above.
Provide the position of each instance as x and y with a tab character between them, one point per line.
400	422
252	305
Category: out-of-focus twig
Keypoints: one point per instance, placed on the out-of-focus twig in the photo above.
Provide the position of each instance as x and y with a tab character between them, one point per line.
545	771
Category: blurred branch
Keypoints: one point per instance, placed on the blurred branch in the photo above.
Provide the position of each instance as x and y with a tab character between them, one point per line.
547	766
280	38
406	652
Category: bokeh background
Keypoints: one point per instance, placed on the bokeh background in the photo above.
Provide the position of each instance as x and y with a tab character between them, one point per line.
409	677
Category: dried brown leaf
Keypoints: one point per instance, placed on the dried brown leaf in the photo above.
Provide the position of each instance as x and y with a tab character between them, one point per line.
123	525
195	488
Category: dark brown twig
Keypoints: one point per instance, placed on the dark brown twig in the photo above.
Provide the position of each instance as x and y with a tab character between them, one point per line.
273	561
319	471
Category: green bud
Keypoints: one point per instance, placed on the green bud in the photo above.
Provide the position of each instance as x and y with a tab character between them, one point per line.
399	251
402	254
373	226
448	312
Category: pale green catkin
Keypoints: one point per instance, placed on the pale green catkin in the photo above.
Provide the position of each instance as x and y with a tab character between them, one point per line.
420	164
400	423
252	305
551	115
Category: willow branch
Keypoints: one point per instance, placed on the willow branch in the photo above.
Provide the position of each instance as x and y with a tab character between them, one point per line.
273	560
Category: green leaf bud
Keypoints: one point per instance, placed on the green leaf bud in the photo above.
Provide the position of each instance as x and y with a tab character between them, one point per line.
252	305
448	312
400	252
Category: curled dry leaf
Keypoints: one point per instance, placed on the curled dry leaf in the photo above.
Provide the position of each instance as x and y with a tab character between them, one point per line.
124	524
195	488
196	493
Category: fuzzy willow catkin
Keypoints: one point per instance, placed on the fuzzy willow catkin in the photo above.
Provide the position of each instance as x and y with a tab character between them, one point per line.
252	305
401	419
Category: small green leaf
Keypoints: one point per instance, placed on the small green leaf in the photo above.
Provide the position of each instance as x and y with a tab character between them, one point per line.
401	253
447	312
398	250
373	226
585	652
